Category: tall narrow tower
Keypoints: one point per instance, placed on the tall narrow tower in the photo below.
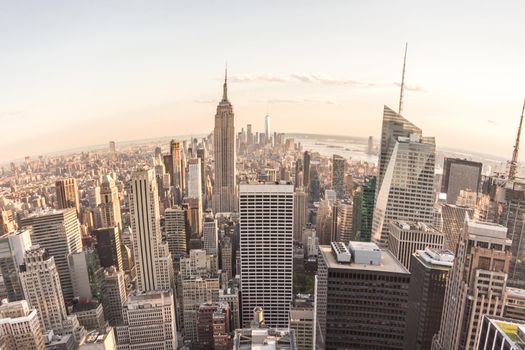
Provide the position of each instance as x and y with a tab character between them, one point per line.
225	187
513	169
152	257
267	128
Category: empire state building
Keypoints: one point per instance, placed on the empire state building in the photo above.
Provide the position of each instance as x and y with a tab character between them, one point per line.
225	186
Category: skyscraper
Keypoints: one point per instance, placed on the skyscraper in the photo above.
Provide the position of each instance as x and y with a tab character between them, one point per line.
227	258
67	194
42	290
429	269
12	248
201	155
200	284
364	203
149	322
361	298
108	247
460	174
110	204
314	185
115	296
338	175
500	333
225	186
57	231
476	284
249	134
407	188
344	211
175	227
405	238
267	129
394	126
302	322
299	213
210	235
152	256
453	221
266	236
306	170
502	202
20	327
194	178
370	147
177	176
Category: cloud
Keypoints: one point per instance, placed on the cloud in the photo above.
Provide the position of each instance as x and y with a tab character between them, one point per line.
309	78
10	116
294	101
414	88
258	78
492	122
299	77
206	101
328	80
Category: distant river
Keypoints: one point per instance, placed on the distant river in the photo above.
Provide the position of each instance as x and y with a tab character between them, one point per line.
349	147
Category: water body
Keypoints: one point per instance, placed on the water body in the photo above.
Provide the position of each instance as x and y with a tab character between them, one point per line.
349	147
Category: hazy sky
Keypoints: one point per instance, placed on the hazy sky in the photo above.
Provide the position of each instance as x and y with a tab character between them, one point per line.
78	73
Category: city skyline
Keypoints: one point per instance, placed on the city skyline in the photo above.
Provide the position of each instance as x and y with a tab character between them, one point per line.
123	69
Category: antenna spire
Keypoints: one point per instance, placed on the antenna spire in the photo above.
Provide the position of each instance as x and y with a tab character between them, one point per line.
400	110
513	169
225	86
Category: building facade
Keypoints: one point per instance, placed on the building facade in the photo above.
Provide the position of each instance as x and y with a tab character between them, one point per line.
477	283
406	238
58	231
225	185
152	257
361	298
429	269
266	250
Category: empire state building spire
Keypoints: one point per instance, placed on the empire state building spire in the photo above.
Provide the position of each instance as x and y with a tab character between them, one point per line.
225	85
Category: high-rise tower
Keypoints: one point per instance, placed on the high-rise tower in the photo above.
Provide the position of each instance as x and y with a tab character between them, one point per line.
266	246
110	204
225	187
67	194
407	188
476	286
267	128
152	257
57	231
338	175
41	284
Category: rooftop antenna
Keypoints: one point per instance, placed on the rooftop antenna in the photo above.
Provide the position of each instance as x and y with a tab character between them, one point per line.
513	169
402	82
225	86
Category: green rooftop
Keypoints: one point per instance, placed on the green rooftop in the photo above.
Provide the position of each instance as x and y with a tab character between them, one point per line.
510	329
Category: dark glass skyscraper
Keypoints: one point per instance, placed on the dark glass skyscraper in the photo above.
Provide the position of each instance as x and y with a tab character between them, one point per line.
364	201
460	174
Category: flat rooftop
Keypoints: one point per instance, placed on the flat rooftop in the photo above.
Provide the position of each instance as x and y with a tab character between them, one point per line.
388	262
163	297
266	187
264	339
413	225
46	212
435	259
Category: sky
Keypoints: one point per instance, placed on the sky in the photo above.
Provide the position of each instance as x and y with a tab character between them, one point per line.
80	73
